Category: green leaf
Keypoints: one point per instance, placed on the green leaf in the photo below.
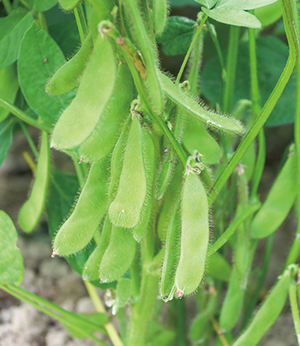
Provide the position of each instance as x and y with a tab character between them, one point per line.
177	36
39	58
233	16
207	3
12	29
6	129
244	4
271	58
44	5
11	259
62	194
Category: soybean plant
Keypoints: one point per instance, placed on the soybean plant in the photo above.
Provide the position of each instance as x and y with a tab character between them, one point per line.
168	207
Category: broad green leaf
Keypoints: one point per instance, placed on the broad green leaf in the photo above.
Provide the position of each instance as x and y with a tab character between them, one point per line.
177	36
269	14
207	3
244	4
233	16
272	54
63	191
11	259
12	29
44	5
6	129
39	58
9	86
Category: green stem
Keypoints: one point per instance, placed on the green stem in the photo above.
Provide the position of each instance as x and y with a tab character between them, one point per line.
24	117
231	68
42	21
111	331
295	249
233	227
179	305
7	6
29	139
80	21
186	58
13	290
270	104
295	309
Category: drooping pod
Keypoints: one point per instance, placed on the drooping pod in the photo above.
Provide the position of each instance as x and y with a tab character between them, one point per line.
80	118
104	136
31	211
278	203
91	207
194	235
125	210
68	76
118	255
160	12
91	267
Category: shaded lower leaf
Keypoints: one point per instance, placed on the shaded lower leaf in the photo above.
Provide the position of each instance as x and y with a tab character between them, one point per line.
11	259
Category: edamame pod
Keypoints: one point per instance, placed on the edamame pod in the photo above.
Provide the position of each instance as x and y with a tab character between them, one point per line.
195	137
192	108
68	76
9	86
159	15
149	165
104	136
91	267
194	235
118	255
172	253
68	5
78	230
218	267
31	211
125	210
123	294
165	173
267	314
146	48
80	118
278	203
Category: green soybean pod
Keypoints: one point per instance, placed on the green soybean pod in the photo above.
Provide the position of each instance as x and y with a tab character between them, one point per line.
192	108
172	253
31	210
194	235
118	255
278	203
68	76
104	136
160	11
145	46
123	292
9	86
233	303
117	159
148	151
69	5
195	137
80	118
125	210
79	228
218	267
164	174
91	267
267	314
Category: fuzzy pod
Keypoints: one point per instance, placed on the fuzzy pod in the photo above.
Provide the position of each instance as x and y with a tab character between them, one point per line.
80	118
32	209
194	235
92	205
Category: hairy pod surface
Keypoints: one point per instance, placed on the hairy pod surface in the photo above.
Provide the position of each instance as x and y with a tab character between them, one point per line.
68	76
91	267
31	211
194	235
125	210
80	118
278	203
118	255
123	292
192	108
79	228
159	15
105	135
